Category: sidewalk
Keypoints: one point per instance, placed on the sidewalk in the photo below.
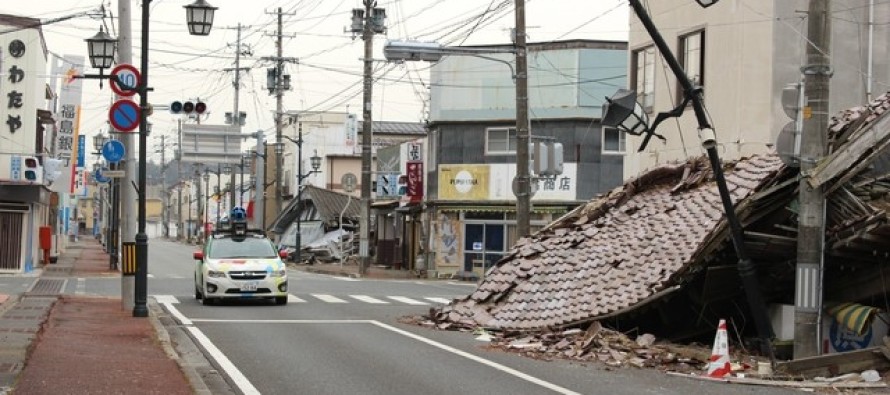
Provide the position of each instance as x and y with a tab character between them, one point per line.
52	343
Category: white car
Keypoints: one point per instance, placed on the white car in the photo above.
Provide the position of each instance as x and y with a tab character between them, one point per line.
239	266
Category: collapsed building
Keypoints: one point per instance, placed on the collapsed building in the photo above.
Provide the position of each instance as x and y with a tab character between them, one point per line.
655	255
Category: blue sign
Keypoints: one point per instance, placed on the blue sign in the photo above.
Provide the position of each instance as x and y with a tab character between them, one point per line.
99	177
124	115
113	151
81	150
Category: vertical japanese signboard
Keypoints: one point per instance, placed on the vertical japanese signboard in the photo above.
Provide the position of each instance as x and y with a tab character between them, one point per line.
414	168
68	116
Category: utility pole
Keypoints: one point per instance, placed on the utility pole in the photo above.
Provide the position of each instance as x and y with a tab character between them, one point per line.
523	195
165	198
369	21
278	83
236	119
811	218
179	225
126	191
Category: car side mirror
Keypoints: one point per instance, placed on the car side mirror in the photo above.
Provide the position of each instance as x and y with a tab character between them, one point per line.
198	255
282	254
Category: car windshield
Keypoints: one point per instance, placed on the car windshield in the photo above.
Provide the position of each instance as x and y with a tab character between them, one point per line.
248	247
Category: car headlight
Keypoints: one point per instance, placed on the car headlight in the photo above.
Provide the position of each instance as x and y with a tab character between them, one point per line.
278	273
216	274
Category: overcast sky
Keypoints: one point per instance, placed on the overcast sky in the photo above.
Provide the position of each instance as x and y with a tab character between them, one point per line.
328	75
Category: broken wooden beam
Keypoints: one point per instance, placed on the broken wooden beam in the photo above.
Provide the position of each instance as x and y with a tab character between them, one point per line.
829	365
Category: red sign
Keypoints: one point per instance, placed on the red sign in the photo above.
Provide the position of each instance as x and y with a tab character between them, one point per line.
125	115
415	181
128	78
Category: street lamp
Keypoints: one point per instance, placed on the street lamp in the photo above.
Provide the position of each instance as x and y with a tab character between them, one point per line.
315	162
199	17
206	198
433	52
621	111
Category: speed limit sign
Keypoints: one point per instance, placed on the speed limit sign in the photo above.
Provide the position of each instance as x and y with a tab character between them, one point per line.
126	81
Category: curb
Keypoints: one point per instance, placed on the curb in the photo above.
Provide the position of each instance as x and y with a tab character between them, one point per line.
191	374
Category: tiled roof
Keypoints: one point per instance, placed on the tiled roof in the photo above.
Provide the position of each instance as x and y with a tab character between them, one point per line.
328	204
388	127
614	253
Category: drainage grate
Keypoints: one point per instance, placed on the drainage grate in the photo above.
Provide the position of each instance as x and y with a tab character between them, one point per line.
45	286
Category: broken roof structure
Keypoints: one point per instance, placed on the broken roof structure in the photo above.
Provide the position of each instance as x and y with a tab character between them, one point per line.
655	254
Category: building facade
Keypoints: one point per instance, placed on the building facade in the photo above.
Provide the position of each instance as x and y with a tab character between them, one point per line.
25	199
471	153
744	54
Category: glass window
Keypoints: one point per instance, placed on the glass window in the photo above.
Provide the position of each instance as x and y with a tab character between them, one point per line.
249	247
500	141
613	141
692	58
643	77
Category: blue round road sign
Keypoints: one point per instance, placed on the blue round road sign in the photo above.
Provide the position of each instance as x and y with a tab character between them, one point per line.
99	177
113	150
124	115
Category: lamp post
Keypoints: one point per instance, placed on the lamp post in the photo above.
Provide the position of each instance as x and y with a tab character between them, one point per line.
206	199
199	17
315	162
623	112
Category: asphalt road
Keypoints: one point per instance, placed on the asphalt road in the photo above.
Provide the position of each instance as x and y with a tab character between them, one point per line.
341	336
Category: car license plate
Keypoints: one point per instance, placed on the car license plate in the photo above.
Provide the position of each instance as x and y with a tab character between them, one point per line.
249	287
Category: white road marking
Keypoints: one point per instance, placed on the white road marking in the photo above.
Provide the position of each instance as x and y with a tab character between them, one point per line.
237	377
328	298
166	299
245	385
469	284
407	300
481	360
81	286
439	300
341	278
293	299
368	299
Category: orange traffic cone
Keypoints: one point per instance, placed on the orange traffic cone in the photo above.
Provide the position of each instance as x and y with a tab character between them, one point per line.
719	364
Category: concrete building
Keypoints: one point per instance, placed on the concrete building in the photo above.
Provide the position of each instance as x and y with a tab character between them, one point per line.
26	203
471	153
743	53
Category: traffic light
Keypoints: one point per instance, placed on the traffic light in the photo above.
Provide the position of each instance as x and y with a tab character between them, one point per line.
33	172
188	107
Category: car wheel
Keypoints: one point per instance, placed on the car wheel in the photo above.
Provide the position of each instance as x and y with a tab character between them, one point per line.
281	300
207	301
198	294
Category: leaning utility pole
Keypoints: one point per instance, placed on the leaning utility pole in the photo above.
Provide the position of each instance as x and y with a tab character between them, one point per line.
523	180
811	218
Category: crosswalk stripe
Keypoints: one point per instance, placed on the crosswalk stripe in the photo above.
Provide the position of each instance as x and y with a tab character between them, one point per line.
294	299
439	300
407	300
328	298
368	299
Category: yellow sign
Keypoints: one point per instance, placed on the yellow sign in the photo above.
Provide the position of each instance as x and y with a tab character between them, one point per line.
463	182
